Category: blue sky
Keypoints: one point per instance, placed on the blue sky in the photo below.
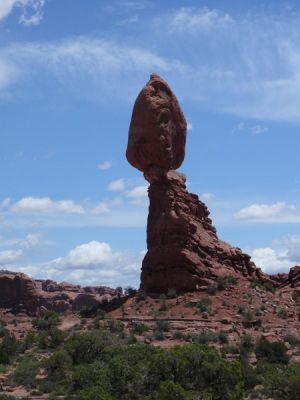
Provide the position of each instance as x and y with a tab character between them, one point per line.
71	207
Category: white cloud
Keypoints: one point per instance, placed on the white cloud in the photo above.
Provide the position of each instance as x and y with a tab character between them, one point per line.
116	186
277	212
31	240
46	205
105	165
207	196
139	195
88	255
32	10
9	256
32	13
199	20
258	129
271	261
101	208
138	192
252	129
94	69
92	263
189	126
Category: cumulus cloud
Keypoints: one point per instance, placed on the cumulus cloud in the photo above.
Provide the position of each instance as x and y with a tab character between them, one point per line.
271	261
277	212
101	208
46	205
31	10
117	185
104	165
92	263
139	195
9	256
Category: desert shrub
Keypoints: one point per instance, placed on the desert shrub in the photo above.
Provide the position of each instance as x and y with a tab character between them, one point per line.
200	369
88	375
282	383
232	280
8	348
162	325
264	286
178	335
282	313
139	328
204	337
246	344
223	338
25	373
292	340
172	391
248	319
269	287
115	326
94	393
57	364
212	289
272	352
49	320
86	347
140	295
296	296
50	339
159	334
162	303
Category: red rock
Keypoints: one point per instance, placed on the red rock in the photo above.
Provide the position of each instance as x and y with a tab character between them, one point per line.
18	290
184	252
158	128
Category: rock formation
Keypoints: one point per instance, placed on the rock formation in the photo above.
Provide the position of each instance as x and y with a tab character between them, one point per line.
20	293
184	252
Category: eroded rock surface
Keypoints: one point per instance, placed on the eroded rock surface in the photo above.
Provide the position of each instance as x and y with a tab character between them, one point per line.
158	128
184	252
20	293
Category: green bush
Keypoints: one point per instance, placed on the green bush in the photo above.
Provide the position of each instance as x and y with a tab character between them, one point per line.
272	352
172	391
58	364
282	383
140	295
292	340
139	328
282	313
86	347
25	373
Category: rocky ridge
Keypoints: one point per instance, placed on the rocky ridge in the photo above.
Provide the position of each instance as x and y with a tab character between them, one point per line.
20	293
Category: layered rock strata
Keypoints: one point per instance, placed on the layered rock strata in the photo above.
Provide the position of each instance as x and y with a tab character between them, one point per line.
20	293
184	252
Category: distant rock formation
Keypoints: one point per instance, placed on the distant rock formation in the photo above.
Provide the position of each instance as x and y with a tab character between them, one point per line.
184	252
20	293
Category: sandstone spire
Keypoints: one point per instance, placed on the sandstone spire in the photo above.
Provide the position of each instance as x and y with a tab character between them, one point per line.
184	252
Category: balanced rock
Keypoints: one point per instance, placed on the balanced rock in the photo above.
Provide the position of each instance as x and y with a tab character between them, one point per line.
184	252
158	128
